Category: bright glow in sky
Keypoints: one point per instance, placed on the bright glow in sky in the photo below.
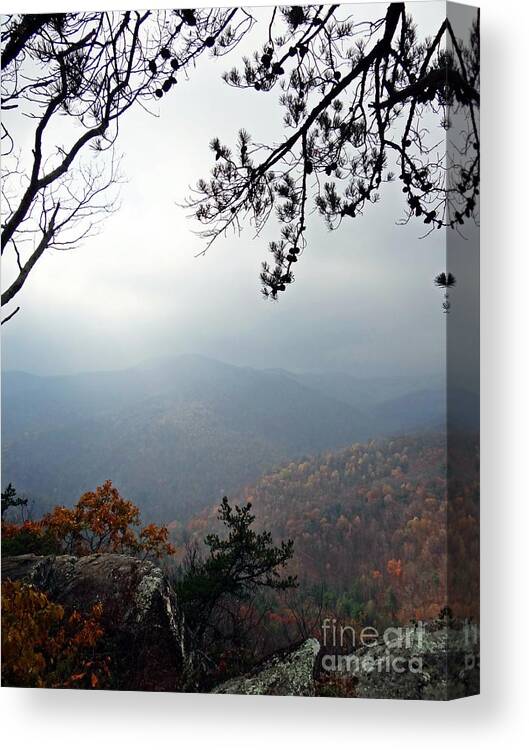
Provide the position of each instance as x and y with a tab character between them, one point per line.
363	301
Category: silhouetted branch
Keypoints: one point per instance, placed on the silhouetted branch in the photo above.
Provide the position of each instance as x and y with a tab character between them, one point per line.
358	99
91	67
11	315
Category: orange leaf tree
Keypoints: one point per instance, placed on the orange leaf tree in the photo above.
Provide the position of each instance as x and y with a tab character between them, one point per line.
101	521
43	646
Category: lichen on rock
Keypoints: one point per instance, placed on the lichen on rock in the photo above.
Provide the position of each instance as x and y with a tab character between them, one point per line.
290	673
438	662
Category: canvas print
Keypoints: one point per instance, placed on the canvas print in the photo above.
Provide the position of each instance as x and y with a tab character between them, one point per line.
240	350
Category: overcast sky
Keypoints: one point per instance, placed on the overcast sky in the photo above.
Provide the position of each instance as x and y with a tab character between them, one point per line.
363	302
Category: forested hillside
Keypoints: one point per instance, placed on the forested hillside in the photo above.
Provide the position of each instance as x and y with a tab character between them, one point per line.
177	434
370	524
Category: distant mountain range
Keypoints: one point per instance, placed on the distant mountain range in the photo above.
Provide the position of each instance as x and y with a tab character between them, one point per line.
174	435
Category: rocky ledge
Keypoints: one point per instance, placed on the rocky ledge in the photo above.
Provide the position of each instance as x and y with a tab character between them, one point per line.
436	660
139	612
287	673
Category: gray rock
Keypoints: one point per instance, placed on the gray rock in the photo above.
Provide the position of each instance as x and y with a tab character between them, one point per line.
290	673
438	661
139	610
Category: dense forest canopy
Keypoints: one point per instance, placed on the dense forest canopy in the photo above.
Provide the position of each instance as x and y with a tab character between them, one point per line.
371	524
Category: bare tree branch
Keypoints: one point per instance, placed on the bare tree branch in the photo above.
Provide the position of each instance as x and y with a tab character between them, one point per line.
91	67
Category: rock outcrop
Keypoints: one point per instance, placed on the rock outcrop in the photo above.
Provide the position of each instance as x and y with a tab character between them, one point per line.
139	612
287	673
437	660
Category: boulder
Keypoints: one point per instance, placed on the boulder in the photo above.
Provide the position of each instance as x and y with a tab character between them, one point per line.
139	610
285	673
435	660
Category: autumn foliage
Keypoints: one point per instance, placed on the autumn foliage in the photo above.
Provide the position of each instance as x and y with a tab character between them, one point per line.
377	528
44	646
101	521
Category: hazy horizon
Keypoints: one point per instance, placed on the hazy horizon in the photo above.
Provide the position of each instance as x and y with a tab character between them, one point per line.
172	358
364	301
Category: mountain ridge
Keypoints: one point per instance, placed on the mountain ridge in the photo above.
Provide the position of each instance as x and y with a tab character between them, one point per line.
174	434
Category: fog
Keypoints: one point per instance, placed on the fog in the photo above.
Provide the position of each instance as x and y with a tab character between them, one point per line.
363	301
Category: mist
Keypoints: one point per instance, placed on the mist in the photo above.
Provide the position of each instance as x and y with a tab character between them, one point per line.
363	302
